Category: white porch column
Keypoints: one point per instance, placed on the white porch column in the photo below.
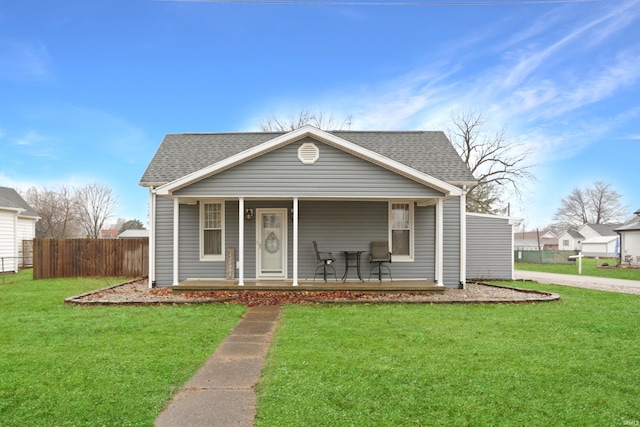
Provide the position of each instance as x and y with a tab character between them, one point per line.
152	236
241	241
463	240
295	241
440	242
176	239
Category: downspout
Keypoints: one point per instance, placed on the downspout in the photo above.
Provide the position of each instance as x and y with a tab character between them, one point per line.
15	242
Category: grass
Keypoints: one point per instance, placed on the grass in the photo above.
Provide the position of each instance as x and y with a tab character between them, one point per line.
571	362
588	269
64	365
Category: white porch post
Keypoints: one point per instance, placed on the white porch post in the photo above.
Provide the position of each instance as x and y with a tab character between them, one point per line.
176	239
439	242
295	241
463	240
152	236
241	241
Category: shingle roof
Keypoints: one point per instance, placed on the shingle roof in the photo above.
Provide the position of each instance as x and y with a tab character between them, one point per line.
575	234
429	152
9	198
604	229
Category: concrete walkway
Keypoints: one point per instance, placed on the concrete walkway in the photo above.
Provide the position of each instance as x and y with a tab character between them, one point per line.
590	282
222	393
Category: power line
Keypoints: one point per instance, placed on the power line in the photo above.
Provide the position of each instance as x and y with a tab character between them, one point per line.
385	3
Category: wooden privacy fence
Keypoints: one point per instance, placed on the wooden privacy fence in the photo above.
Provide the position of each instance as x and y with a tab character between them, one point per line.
90	258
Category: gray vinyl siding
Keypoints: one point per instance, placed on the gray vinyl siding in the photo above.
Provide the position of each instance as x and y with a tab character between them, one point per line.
489	248
451	242
190	265
335	174
164	241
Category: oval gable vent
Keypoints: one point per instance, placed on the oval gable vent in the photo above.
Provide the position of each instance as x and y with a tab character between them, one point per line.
308	153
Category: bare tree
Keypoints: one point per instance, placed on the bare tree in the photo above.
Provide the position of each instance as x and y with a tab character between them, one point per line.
500	167
305	117
57	211
599	204
95	204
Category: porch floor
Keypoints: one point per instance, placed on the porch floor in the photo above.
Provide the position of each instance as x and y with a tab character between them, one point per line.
395	286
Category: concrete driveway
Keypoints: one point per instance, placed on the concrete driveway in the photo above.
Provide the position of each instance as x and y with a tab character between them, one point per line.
590	282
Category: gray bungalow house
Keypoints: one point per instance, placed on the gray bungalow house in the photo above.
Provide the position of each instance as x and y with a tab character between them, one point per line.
248	206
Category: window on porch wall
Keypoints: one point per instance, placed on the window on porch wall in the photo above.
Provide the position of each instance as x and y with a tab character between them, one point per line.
211	214
401	225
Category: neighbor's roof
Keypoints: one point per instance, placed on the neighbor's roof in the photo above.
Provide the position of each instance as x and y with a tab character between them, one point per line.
133	234
9	198
429	152
604	229
574	234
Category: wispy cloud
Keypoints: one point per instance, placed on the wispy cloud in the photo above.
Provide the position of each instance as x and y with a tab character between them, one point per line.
24	60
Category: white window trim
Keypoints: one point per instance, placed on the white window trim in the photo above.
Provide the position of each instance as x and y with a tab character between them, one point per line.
204	257
402	258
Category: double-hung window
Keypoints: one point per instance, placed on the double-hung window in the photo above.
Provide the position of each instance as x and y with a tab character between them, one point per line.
211	231
401	231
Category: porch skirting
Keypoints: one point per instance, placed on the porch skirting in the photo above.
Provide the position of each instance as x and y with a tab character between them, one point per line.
395	286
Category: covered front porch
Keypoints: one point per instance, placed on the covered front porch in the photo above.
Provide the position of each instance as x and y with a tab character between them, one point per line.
395	286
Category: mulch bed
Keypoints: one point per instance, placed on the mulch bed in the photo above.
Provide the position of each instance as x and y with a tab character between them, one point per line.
137	292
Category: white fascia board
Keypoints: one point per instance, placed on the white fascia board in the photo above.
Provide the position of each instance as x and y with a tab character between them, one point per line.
12	209
323	136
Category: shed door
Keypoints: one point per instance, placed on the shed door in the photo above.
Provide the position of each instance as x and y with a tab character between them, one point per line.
271	243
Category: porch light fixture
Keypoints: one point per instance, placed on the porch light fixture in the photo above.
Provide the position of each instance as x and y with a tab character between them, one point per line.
248	214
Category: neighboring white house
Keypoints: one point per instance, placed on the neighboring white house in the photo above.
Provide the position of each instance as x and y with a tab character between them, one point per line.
17	224
630	241
597	230
570	241
535	240
601	246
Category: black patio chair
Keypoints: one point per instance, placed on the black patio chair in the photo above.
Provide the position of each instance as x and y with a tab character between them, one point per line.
324	259
379	256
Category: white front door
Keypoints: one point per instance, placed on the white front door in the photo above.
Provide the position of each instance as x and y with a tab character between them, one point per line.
271	242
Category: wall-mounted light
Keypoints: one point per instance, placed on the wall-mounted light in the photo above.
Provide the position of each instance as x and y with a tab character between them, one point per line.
248	214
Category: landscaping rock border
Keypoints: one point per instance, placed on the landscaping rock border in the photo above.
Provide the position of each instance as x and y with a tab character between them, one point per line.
137	292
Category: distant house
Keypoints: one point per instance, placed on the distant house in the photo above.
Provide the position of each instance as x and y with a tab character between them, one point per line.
598	230
599	240
570	240
601	246
528	241
109	234
17	225
134	234
630	241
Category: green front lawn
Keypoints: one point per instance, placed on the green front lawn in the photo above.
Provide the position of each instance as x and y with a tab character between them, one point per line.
574	362
64	365
588	269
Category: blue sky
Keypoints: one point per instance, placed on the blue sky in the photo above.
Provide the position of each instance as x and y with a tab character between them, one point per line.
88	89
